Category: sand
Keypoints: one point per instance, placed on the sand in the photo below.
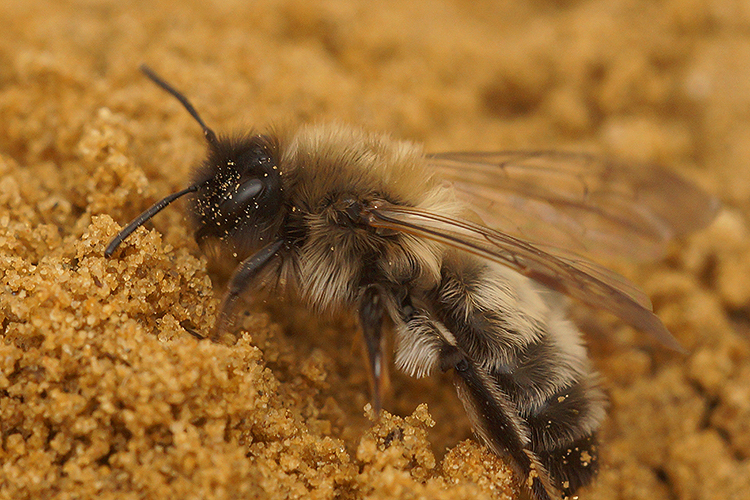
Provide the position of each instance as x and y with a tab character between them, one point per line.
104	393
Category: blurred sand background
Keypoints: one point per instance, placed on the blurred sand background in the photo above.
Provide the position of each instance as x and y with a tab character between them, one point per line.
104	395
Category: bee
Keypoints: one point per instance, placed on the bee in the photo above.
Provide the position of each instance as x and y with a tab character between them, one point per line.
463	255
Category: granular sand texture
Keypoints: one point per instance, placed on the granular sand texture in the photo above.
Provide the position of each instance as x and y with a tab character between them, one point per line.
104	393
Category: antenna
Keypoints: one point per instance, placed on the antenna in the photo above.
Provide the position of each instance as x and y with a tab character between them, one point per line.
210	135
138	221
161	204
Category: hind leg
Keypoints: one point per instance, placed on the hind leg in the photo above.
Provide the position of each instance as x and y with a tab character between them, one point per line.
424	344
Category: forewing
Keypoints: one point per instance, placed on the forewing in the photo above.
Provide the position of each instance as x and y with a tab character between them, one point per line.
578	202
577	277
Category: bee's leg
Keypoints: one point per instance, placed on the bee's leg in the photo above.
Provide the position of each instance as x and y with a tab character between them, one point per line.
239	283
191	330
372	310
495	419
424	343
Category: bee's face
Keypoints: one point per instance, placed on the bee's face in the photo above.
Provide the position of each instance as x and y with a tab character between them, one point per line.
241	193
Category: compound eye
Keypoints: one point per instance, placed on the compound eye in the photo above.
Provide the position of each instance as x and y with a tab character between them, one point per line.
239	199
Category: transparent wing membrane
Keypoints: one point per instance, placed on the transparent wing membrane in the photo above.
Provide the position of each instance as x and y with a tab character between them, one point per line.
572	275
578	202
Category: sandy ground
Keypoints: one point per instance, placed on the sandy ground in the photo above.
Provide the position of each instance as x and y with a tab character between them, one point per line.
103	394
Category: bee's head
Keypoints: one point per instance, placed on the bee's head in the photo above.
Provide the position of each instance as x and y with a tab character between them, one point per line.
238	194
239	200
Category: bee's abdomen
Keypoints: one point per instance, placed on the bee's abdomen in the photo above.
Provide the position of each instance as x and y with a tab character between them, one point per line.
562	429
572	465
535	359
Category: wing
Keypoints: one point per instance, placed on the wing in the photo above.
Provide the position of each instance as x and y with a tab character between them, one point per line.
578	202
562	271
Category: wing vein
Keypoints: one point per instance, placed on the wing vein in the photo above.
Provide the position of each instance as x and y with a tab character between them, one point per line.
573	275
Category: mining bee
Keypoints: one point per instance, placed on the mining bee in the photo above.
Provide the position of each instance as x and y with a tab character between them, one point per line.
461	255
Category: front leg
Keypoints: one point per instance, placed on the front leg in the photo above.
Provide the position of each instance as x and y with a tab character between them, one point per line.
241	280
